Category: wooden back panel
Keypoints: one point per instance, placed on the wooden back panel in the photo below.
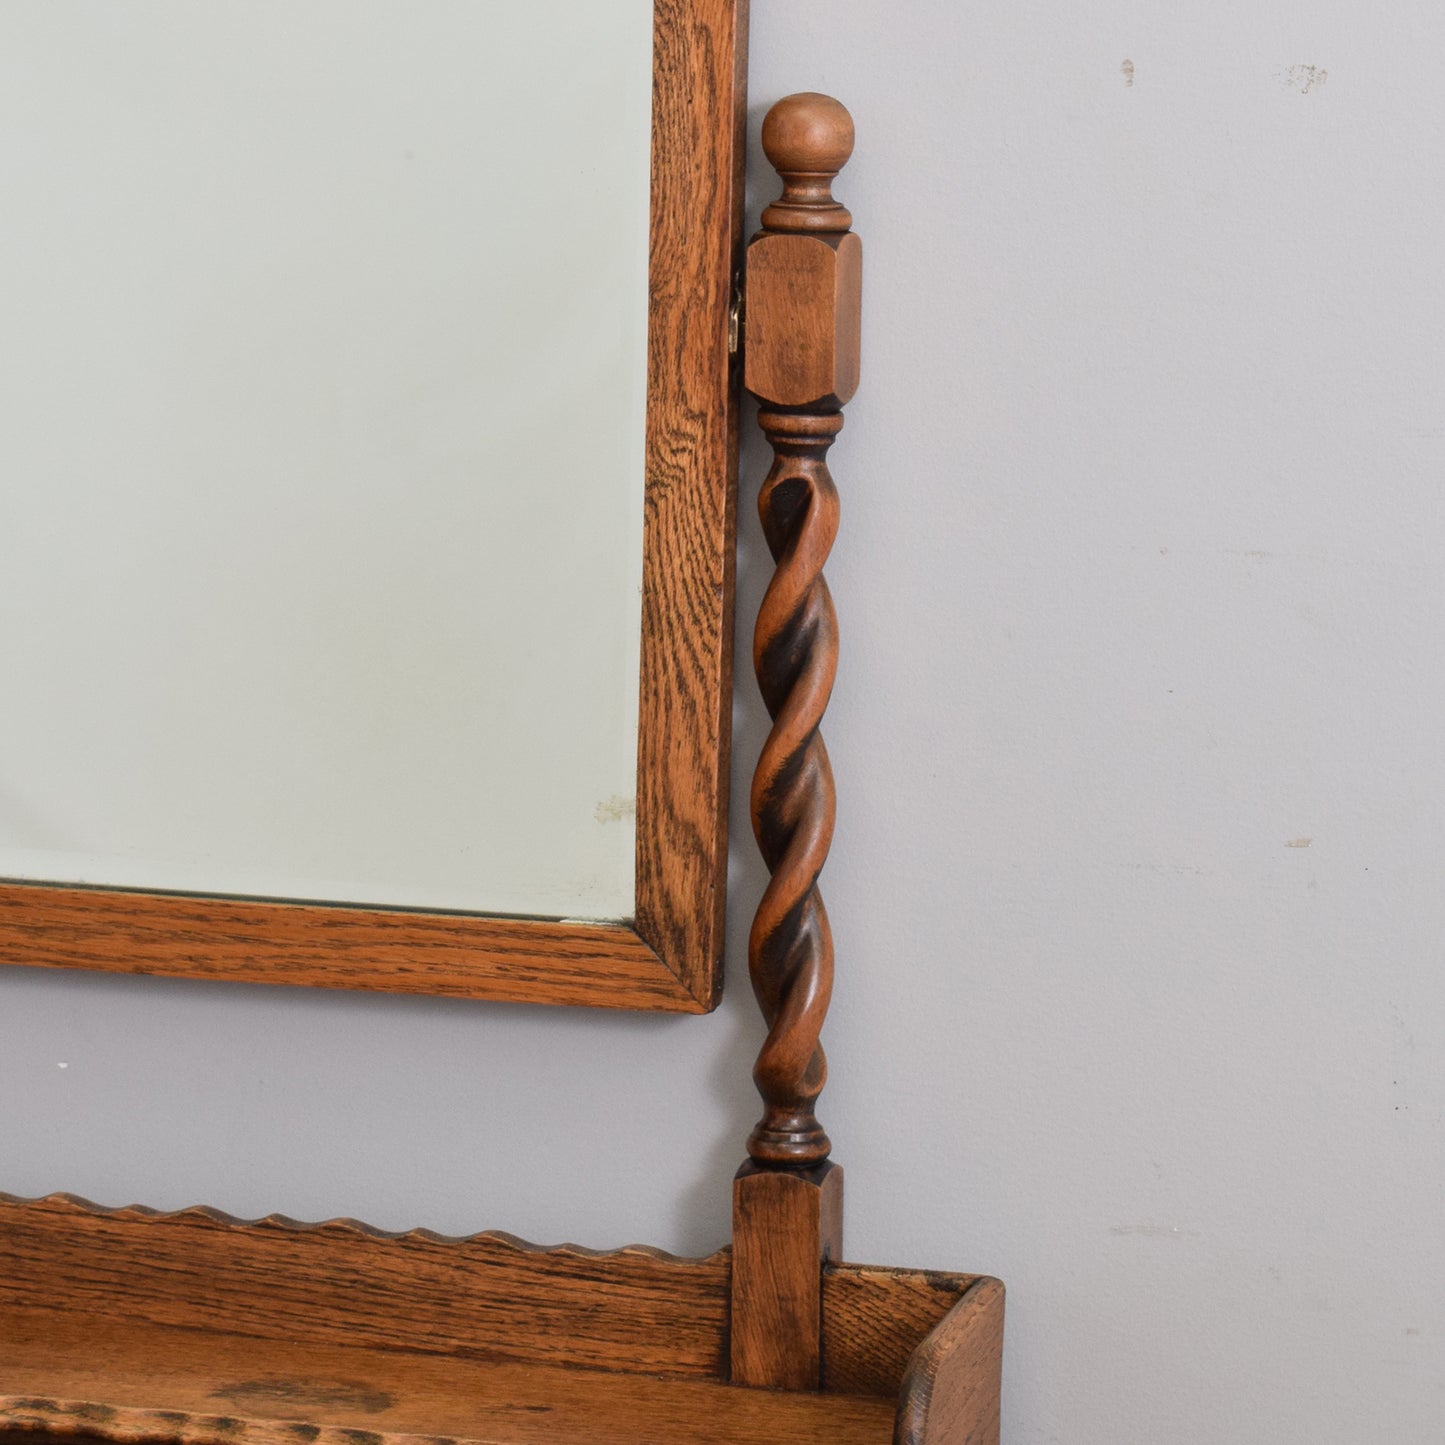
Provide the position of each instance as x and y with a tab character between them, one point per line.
487	1297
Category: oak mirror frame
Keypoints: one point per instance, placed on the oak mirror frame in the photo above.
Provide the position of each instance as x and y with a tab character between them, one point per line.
668	956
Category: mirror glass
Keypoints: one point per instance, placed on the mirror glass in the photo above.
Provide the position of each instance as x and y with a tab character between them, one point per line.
323	345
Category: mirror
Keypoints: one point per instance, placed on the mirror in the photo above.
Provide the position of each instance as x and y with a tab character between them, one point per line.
365	526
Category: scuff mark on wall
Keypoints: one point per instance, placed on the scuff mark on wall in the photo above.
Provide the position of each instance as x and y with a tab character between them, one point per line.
1127	70
1154	1231
1298	842
1304	78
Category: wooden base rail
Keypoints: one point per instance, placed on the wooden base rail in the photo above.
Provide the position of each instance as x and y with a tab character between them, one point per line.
128	1325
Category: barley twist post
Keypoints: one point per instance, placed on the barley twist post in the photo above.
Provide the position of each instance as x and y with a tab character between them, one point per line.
802	342
795	653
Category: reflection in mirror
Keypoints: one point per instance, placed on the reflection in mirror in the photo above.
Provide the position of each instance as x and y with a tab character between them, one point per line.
323	358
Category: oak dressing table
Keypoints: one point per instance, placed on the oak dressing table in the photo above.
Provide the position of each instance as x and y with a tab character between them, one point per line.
129	1325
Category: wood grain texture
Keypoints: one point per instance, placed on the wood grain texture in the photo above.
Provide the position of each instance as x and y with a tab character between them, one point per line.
875	1319
786	1224
139	1325
326	946
689	557
802	353
951	1391
670	956
133	1383
340	1283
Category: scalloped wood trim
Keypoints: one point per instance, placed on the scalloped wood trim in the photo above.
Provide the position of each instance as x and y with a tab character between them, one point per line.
489	1296
59	1203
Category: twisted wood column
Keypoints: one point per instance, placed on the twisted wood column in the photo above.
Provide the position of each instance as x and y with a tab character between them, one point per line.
804	272
802	333
795	654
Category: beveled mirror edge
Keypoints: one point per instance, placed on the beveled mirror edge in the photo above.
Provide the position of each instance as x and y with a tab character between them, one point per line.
670	957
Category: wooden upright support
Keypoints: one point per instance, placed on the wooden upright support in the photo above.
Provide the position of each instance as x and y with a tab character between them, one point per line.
787	1223
802	336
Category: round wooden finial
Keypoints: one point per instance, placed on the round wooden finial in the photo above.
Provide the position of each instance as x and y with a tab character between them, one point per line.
808	138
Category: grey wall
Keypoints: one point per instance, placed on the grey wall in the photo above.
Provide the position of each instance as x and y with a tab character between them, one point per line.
1137	881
